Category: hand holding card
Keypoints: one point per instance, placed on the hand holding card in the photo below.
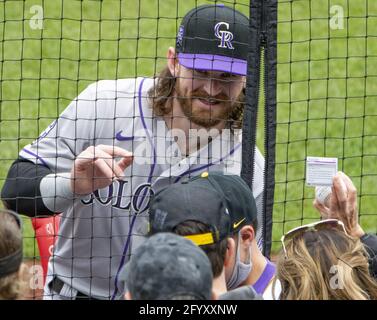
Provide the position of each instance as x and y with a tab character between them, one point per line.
340	203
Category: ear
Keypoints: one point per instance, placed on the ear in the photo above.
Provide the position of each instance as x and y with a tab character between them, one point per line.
127	296
172	61
247	235
230	252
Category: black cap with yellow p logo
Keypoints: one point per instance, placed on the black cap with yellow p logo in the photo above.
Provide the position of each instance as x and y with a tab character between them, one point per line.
191	200
237	196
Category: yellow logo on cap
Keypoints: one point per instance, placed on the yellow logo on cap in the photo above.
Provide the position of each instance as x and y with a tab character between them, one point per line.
204	174
235	225
201	239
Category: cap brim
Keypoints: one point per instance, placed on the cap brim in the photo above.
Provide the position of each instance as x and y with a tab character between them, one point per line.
213	63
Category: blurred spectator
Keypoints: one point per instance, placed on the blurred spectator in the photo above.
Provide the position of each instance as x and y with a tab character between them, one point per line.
343	250
320	261
217	212
10	255
196	212
168	267
247	265
219	255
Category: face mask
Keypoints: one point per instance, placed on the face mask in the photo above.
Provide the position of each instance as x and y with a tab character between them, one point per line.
240	271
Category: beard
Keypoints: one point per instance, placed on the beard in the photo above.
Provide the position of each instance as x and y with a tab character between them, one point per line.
219	110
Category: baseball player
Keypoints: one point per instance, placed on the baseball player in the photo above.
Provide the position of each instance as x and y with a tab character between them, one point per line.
119	140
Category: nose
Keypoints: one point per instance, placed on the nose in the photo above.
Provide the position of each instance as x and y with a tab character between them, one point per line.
213	87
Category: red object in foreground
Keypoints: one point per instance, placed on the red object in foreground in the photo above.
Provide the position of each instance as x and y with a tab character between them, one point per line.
46	231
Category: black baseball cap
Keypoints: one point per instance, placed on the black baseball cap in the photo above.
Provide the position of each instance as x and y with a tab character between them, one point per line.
215	38
195	200
167	267
237	195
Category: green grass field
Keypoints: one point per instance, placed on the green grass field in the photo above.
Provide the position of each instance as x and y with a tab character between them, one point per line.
326	95
326	82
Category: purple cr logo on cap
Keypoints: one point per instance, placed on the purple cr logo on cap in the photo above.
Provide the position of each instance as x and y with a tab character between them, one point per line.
225	36
214	38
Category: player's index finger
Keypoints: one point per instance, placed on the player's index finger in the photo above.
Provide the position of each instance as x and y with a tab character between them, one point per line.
115	151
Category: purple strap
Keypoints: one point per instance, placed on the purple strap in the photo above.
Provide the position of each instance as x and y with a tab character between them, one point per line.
265	278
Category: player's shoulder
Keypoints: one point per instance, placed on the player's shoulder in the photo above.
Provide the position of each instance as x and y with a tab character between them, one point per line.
110	98
129	87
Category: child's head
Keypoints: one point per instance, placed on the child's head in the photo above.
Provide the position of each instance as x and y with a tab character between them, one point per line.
10	254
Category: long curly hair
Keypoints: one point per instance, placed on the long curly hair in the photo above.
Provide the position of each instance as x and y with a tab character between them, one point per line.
161	93
325	265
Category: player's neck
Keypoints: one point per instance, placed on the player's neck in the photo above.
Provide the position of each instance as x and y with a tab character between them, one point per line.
177	120
219	284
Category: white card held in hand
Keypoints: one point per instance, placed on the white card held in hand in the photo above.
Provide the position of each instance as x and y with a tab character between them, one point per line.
320	171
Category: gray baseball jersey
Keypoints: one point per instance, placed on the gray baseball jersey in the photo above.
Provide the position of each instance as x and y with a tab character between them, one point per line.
99	232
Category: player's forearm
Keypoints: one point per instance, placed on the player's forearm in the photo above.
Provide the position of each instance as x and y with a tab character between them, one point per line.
21	191
34	190
57	192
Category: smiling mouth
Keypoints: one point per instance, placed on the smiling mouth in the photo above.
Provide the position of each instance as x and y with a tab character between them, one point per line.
209	102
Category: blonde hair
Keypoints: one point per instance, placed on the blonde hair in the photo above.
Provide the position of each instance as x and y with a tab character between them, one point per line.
10	242
325	265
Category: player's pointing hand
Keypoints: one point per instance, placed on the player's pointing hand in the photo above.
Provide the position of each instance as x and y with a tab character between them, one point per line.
96	168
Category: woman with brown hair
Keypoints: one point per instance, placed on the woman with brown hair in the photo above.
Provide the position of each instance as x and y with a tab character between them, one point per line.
10	255
328	259
321	261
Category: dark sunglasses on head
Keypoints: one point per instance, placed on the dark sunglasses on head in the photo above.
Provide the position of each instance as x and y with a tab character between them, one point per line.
315	226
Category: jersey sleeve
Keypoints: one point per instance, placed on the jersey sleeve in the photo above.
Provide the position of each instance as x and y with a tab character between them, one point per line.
67	136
